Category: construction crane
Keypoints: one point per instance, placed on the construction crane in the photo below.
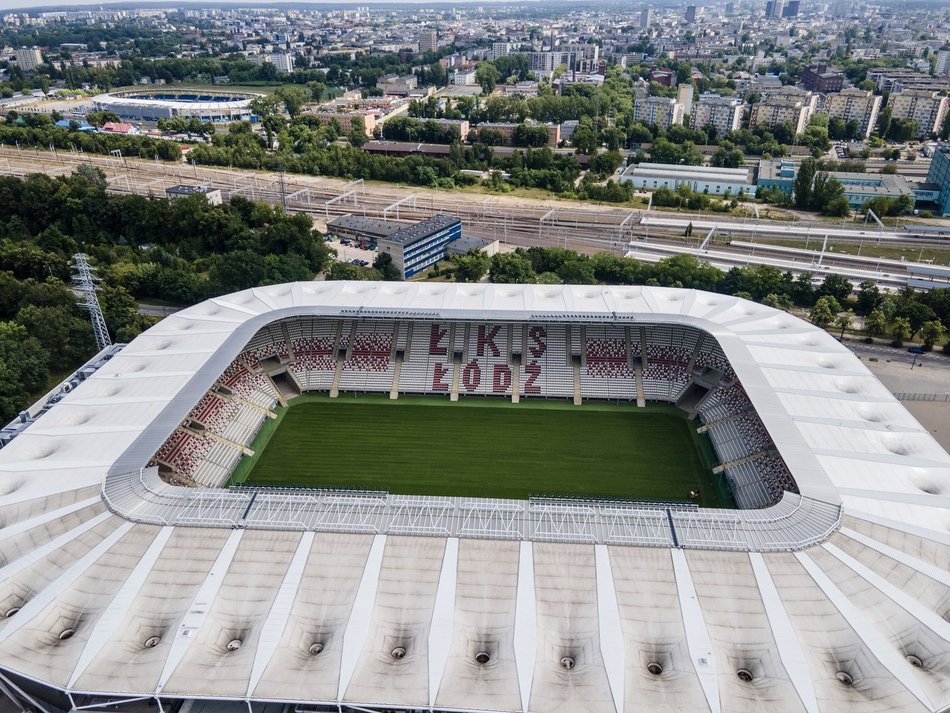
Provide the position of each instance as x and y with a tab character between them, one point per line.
84	281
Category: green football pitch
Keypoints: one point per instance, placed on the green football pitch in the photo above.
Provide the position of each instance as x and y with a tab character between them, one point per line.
483	448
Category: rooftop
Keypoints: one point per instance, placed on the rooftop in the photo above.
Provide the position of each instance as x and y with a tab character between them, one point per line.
423	229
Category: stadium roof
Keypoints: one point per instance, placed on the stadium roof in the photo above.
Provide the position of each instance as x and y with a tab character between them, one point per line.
108	599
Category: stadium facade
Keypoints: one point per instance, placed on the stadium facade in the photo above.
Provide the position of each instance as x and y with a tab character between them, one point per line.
131	580
154	104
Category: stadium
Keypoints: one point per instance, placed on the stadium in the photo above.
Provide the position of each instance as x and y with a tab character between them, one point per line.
154	104
358	496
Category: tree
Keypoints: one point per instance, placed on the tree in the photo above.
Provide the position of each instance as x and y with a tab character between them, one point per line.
511	268
869	296
803	183
385	266
294	99
470	267
932	332
822	314
875	323
24	368
843	322
901	331
348	271
487	76
835	285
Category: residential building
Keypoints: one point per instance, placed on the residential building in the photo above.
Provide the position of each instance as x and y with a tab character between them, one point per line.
939	175
684	96
462	77
786	105
283	61
857	105
399	86
347	120
724	113
822	78
702	179
507	131
29	58
428	41
416	248
942	68
659	111
926	108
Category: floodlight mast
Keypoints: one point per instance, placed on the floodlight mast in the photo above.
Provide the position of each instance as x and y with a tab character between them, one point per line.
84	280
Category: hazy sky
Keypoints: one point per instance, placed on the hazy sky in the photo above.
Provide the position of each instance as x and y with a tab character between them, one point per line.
6	5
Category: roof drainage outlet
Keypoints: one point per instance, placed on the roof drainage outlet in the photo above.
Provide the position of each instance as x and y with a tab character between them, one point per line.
398	652
914	660
66	634
316	648
844	678
482	658
11	612
234	644
654	668
567	663
744	674
152	641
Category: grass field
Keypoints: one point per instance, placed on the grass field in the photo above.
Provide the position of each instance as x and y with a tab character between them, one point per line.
483	448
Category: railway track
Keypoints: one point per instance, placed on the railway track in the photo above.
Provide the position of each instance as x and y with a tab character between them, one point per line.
514	221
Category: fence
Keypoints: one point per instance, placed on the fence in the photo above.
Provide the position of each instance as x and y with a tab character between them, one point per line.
922	397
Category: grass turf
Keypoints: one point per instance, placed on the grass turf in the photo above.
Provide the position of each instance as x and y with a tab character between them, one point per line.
483	448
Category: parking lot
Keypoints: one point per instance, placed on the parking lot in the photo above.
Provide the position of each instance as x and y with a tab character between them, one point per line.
351	253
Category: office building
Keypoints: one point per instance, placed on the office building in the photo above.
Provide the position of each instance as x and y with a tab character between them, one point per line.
416	248
939	175
791	8
690	13
645	17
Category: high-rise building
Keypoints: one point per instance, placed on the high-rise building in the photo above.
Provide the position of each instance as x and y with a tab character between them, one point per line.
723	113
730	9
428	41
29	58
774	9
855	105
787	105
940	174
943	63
645	18
684	95
926	108
659	111
690	13
791	8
